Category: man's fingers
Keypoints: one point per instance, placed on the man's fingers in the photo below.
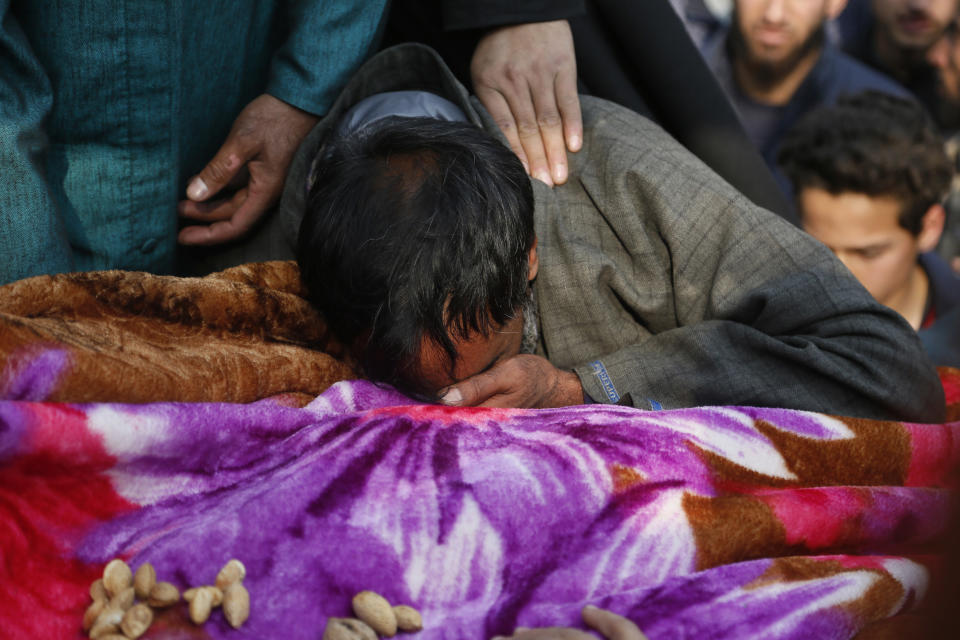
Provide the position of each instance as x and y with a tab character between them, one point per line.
475	391
252	205
612	626
231	157
499	110
212	210
528	130
470	392
216	233
551	130
568	102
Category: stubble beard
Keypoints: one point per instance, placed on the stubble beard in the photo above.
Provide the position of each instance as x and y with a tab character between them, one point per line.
769	73
530	323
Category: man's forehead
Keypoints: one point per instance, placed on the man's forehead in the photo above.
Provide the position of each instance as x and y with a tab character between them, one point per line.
849	209
476	353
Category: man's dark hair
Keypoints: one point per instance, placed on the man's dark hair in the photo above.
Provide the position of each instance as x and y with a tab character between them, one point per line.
415	228
871	143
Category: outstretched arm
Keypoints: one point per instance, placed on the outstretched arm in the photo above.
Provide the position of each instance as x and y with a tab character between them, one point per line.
327	42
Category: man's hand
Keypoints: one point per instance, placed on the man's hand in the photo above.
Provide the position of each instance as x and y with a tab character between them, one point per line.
263	140
610	625
526	77
523	381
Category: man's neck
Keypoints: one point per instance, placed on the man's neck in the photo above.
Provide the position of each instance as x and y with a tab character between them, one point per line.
779	92
911	301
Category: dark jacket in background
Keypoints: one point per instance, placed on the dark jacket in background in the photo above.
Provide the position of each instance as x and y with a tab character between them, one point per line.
942	339
835	74
637	54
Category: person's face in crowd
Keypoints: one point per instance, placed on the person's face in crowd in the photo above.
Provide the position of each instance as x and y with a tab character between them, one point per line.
777	34
477	353
914	24
945	56
864	233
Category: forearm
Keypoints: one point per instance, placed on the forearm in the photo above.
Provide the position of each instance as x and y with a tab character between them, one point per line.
852	365
328	42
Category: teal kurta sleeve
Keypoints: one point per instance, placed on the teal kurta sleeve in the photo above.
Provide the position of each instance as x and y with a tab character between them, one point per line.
328	42
32	236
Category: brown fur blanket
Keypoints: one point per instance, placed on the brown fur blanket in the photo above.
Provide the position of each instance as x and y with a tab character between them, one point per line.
236	336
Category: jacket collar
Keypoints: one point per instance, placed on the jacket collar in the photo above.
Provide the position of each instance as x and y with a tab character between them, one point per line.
404	67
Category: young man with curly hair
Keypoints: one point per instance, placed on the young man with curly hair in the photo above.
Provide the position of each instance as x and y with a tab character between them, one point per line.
870	176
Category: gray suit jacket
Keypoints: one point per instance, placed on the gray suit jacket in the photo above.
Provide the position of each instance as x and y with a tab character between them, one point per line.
660	285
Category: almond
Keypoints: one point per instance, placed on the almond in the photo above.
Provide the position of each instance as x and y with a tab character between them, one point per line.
98	591
163	594
136	621
200	606
144	579
236	604
408	618
107	622
374	609
348	629
92	613
215	594
117	576
233	571
122	600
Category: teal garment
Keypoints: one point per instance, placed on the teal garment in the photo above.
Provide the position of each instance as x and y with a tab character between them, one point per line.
109	107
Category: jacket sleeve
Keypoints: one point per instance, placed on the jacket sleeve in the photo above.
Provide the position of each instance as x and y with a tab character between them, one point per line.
32	235
328	41
482	14
749	311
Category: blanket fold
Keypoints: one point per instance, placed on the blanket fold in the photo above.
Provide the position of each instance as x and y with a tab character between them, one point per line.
235	336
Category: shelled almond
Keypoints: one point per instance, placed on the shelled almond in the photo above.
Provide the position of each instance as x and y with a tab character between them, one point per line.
123	602
375	616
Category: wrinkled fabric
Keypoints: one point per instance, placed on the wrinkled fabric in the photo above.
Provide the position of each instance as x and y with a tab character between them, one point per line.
124	336
713	522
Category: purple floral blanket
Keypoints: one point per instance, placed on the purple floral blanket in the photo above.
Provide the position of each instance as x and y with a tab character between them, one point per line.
700	523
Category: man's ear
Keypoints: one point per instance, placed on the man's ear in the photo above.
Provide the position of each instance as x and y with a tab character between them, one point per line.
931	228
834	7
533	261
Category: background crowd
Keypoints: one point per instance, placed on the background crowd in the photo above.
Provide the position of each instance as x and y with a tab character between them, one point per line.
157	135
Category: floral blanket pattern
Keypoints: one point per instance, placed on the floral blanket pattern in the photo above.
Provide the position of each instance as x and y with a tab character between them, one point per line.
730	522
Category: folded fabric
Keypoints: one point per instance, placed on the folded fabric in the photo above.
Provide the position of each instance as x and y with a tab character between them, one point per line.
121	336
719	522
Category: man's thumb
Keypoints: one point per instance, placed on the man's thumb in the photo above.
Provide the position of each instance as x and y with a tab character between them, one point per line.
452	396
218	172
